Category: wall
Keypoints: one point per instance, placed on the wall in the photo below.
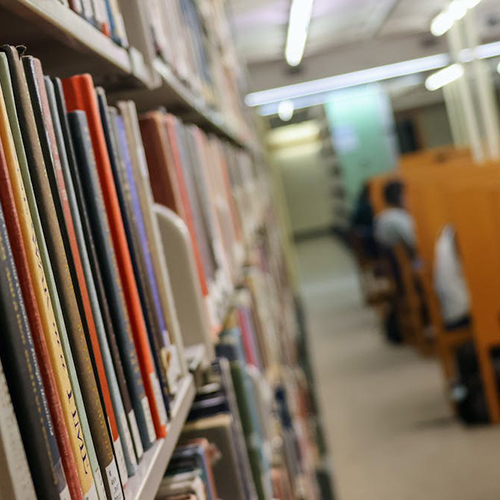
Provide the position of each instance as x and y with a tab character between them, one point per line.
434	126
296	152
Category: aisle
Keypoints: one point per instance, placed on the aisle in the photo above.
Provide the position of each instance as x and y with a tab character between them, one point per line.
389	429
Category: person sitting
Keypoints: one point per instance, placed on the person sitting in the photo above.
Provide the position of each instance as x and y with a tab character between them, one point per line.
394	225
449	281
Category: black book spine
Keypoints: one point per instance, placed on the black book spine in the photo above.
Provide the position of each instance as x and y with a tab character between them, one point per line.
94	203
23	376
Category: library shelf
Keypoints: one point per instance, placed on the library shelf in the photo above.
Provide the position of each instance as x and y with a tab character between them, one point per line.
66	42
179	99
146	481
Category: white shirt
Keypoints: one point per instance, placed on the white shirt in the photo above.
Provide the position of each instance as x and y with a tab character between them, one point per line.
394	226
449	281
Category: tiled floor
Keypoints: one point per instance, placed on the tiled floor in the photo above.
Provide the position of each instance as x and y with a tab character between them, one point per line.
390	431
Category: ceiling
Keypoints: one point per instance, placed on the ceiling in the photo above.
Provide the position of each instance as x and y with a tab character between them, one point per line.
260	25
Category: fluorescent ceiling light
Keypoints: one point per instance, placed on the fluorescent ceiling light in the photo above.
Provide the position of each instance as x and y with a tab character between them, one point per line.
347	80
470	4
441	23
444	77
457	10
285	110
298	27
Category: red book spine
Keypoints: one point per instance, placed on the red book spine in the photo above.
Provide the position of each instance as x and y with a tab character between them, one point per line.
80	95
35	322
171	124
68	219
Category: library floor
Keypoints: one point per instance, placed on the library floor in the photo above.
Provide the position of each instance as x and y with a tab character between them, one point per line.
390	431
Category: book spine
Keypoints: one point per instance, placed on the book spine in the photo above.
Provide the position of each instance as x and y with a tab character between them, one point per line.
18	352
34	316
100	346
87	169
82	86
172	127
59	236
142	259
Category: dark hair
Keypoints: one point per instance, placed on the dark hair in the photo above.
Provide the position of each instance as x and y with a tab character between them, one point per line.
393	193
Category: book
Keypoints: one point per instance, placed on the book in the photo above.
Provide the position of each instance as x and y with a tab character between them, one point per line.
100	351
30	225
94	202
53	333
56	218
19	357
80	94
15	476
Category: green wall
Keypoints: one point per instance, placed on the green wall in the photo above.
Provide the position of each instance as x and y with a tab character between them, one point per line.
362	126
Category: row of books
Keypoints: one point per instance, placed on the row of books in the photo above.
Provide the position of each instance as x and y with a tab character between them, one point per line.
87	312
193	38
213	187
247	436
105	15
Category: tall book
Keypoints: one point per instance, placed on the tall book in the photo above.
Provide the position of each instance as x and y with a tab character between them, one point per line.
80	94
18	352
15	476
43	289
102	305
59	236
22	189
92	199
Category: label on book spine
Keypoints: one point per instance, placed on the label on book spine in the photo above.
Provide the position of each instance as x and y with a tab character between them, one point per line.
120	460
65	494
149	419
129	446
99	483
158	398
174	368
115	486
139	450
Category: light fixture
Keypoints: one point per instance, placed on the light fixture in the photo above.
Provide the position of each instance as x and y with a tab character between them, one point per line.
285	110
371	75
444	77
498	68
298	27
441	23
470	4
457	10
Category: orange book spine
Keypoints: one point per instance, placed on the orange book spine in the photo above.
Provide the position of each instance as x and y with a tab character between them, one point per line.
188	219
80	95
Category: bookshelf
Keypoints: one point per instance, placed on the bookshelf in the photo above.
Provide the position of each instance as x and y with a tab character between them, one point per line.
69	44
144	484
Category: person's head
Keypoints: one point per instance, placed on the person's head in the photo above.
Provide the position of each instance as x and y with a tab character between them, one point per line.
393	193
